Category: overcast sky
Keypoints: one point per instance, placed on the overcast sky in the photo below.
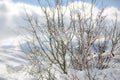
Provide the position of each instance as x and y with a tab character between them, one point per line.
12	13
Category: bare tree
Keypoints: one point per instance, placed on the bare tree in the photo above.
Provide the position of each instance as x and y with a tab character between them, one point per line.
56	46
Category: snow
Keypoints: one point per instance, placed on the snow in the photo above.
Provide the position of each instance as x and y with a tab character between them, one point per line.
14	66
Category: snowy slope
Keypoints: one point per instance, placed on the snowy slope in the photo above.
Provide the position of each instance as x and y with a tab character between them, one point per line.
12	65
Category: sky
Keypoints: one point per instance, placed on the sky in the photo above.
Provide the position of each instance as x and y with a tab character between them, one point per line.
107	3
12	16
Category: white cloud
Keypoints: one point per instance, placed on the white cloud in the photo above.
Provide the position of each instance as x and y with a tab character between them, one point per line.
11	19
12	14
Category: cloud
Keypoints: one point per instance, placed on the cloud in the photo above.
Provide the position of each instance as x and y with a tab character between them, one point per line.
12	16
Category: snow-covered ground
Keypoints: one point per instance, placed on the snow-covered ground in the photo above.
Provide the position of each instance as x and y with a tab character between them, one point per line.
13	66
111	73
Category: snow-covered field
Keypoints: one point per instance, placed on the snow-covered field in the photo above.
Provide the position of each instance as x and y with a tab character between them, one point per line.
13	66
